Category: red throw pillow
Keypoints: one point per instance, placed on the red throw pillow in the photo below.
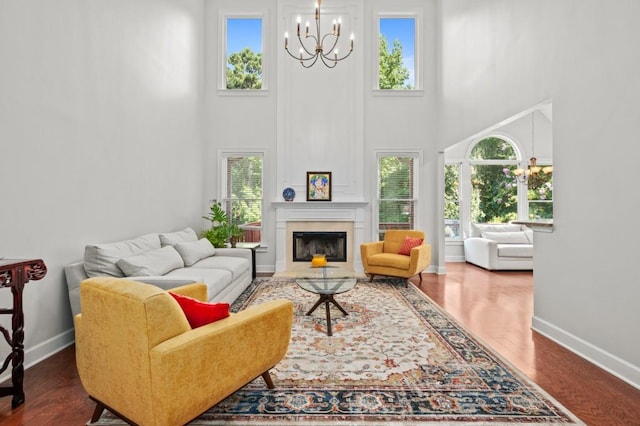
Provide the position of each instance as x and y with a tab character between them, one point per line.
408	244
201	313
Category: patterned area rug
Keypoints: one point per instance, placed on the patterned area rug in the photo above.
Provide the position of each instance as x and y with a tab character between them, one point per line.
396	359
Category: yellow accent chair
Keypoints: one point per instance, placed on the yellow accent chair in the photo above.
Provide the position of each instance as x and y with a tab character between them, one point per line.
138	357
382	258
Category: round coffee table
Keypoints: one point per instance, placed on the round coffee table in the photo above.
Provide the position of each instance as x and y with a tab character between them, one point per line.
326	281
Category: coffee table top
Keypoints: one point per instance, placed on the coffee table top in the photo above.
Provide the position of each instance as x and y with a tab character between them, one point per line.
326	280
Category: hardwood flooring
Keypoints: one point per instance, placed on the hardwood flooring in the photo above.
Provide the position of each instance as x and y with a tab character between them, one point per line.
496	306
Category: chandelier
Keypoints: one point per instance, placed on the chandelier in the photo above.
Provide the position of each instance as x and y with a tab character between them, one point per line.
531	175
328	53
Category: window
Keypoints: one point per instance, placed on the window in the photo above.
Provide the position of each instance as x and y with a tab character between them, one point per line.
397	53
452	200
540	194
243	57
396	192
242	180
494	190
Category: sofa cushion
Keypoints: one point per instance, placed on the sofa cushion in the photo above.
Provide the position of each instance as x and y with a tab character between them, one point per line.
215	279
201	313
172	238
515	250
391	260
154	262
408	244
100	259
193	251
236	265
518	237
478	228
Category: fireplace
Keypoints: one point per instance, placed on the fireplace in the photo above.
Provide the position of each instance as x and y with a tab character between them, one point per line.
323	217
332	244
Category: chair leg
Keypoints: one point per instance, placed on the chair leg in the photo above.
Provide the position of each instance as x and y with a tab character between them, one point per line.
267	378
371	279
97	412
420	276
100	407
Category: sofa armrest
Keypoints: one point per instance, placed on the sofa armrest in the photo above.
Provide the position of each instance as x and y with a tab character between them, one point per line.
205	360
481	251
420	257
74	274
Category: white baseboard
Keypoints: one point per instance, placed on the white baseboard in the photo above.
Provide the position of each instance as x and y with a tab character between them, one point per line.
608	362
44	350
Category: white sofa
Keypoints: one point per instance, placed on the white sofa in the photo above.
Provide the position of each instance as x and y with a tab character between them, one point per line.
166	260
499	246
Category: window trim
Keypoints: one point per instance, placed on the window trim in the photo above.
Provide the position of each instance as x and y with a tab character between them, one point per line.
223	154
417	156
417	14
223	15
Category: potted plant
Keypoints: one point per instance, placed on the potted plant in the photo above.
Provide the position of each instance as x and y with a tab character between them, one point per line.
221	231
235	232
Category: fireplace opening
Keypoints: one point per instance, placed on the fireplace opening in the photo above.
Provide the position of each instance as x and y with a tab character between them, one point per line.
332	244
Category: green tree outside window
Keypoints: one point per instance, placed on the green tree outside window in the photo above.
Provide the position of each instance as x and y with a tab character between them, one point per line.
494	191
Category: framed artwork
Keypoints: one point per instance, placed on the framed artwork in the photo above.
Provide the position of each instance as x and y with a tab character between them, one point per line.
318	186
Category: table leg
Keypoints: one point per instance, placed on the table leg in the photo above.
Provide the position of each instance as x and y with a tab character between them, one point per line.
328	309
327	299
337	305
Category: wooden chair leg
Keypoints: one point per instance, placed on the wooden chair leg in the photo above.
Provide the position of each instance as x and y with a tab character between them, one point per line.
97	412
100	407
420	276
267	378
371	278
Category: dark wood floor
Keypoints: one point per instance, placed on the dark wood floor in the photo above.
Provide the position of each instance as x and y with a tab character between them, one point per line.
497	307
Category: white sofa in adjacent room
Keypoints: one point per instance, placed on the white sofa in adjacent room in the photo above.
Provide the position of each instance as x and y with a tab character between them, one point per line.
501	246
166	260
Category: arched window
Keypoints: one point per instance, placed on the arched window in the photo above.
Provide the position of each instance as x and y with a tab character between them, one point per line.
494	191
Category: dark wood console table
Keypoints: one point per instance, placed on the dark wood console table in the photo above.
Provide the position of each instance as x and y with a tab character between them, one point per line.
15	273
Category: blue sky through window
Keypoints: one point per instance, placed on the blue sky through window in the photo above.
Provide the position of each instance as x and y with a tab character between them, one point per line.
244	32
403	30
247	32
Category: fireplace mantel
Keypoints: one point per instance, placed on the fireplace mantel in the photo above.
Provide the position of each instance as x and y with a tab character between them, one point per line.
352	212
319	204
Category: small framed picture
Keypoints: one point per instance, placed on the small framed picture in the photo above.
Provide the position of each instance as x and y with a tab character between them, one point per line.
318	186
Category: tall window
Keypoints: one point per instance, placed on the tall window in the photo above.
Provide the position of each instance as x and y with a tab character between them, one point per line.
540	194
452	200
243	53
494	191
396	53
242	179
396	192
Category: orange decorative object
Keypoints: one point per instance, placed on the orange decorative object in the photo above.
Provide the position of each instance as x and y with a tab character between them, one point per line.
318	260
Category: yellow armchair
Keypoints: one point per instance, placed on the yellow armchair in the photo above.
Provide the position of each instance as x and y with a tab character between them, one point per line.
138	357
382	258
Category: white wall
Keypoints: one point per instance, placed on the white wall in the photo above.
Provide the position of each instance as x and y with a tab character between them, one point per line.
500	57
99	137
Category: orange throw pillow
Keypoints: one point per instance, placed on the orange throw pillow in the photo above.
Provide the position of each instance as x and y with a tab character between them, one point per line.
408	244
201	313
